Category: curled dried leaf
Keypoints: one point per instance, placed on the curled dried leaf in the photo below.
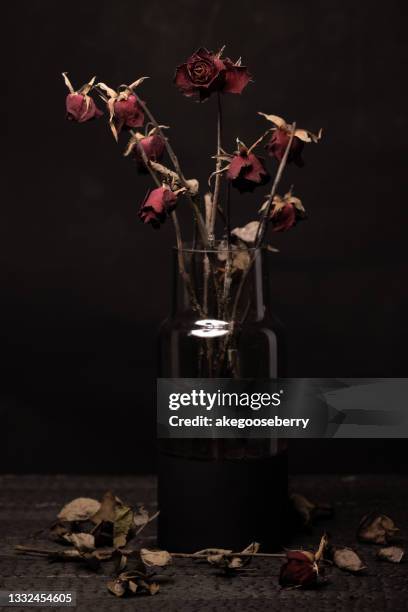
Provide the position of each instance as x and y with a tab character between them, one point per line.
137	82
348	560
248	232
68	82
81	541
276	120
79	509
376	528
158	558
393	554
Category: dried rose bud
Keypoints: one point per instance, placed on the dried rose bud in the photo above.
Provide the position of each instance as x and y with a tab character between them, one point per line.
157	205
277	144
246	171
206	72
81	108
153	147
300	569
79	105
285	212
279	140
127	113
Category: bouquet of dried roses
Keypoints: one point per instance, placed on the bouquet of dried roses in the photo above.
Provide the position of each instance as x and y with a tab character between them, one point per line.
219	294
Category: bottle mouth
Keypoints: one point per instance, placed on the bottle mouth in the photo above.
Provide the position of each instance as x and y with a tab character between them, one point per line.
218	247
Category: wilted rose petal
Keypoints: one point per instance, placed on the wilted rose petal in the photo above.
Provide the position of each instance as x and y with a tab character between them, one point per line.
79	509
153	147
159	558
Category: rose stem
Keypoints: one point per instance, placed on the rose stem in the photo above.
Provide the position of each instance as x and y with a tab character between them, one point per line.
174	218
260	234
176	164
218	165
198	217
262	226
228	555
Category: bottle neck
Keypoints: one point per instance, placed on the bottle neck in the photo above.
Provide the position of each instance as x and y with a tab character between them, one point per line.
229	286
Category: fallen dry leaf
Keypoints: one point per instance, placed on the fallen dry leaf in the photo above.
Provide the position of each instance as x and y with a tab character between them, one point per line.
393	554
81	541
376	528
79	509
348	560
159	558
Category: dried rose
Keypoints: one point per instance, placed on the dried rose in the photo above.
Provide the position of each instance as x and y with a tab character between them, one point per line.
285	212
153	146
125	111
246	171
157	205
206	72
279	140
79	105
301	567
376	528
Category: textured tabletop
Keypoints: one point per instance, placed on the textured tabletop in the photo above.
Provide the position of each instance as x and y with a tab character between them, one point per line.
30	503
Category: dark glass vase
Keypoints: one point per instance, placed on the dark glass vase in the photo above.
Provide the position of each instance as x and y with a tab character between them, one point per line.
221	493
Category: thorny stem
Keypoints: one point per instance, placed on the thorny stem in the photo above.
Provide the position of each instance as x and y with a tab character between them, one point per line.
227	555
218	165
177	167
262	226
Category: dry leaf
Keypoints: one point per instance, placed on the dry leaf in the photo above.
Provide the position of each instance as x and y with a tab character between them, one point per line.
123	524
346	559
278	121
393	554
308	511
248	232
159	558
132	583
79	509
376	528
141	516
81	541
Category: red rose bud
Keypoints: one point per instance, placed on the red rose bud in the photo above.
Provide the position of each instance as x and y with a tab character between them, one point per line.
300	569
246	171
205	72
81	108
157	205
127	112
276	147
153	147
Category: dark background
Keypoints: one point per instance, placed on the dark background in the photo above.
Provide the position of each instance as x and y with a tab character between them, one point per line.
84	285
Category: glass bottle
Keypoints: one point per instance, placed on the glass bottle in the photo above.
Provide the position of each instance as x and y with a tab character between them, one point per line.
221	492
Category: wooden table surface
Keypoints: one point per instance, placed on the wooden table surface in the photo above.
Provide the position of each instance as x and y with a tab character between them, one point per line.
30	503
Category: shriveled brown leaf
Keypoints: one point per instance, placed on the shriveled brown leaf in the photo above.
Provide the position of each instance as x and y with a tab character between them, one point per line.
123	524
141	516
79	509
81	541
132	583
158	558
393	554
106	511
348	560
309	511
376	528
275	119
248	232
